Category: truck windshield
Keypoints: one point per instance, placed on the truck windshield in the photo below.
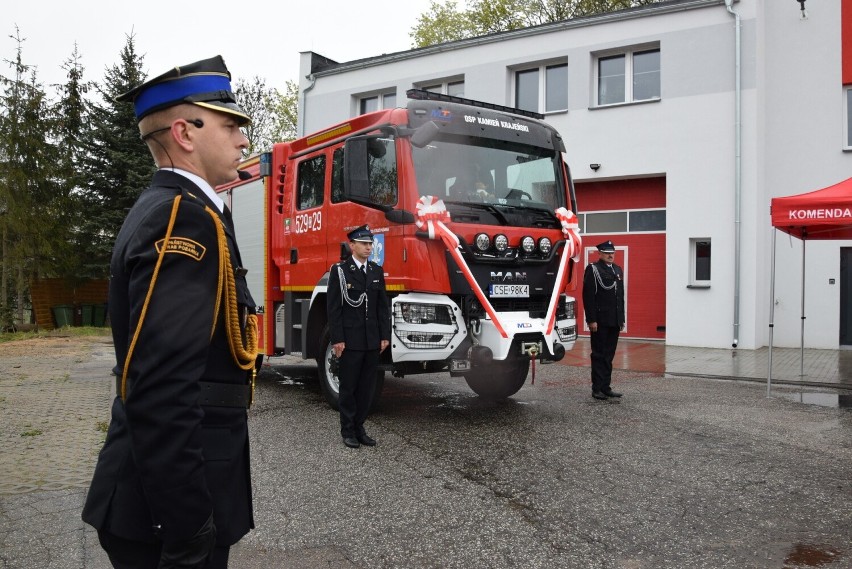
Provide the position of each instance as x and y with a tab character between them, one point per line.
491	181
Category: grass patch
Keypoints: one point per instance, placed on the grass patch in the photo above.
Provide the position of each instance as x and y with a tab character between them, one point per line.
64	332
32	433
103	426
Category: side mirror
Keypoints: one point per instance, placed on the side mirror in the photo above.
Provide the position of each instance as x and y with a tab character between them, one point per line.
424	134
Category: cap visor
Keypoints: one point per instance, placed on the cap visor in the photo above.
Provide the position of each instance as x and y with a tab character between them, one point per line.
228	108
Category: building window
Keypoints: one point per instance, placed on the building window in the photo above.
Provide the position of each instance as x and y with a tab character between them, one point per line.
629	221
699	262
542	89
377	102
311	182
848	121
628	77
648	220
608	222
453	88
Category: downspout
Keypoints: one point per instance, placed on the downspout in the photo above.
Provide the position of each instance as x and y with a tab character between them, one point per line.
738	161
313	79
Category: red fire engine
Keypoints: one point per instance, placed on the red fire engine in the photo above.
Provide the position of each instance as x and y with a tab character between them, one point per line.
471	205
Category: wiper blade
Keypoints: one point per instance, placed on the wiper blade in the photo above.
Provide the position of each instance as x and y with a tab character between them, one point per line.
482	205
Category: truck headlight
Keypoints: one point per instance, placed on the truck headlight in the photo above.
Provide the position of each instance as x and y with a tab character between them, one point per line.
413	313
501	242
566	308
424	326
482	242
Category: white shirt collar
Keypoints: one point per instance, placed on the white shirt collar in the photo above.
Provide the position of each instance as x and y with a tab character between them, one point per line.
201	183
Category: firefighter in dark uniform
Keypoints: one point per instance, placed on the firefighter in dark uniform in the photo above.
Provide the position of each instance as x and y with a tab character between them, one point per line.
172	485
603	301
359	322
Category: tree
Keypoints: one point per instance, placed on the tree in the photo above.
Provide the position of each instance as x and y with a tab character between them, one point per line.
273	113
284	107
71	118
31	198
117	163
445	22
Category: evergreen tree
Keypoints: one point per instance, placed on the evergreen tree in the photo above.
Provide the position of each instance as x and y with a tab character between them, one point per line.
31	199
117	164
71	121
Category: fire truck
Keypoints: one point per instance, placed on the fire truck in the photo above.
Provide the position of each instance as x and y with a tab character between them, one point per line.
471	206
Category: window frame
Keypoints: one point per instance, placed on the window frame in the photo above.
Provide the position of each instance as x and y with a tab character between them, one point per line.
629	75
321	169
541	68
627	215
442	86
381	101
694	280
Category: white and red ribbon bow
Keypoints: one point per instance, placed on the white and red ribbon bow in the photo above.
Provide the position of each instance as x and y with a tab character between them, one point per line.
573	246
571	232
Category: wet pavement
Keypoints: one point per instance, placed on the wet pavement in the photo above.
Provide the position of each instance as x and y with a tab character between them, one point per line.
689	470
790	366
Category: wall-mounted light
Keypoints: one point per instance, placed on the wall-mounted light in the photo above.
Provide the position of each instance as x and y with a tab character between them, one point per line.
804	12
595	167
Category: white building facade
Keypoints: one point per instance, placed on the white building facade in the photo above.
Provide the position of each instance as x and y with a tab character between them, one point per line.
681	121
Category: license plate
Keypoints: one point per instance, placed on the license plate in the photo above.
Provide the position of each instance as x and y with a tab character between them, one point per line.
509	291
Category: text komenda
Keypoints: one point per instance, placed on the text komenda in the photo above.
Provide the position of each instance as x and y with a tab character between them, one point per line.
497	123
826	213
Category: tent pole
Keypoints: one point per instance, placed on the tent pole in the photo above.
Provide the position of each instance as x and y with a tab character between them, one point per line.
802	340
771	313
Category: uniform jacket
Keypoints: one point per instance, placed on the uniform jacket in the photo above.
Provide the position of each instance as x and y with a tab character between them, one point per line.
362	327
167	461
603	301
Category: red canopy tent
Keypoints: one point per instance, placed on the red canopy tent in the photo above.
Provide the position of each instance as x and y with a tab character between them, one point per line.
822	214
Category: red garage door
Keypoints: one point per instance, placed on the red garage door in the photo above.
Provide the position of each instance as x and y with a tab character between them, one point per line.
632	214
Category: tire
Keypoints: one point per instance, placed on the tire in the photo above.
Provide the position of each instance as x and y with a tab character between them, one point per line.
330	382
499	380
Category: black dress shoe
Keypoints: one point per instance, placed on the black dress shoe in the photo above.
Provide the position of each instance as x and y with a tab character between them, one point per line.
612	393
598	395
366	440
351	442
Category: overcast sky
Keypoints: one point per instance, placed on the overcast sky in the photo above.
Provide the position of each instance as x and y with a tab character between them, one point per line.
260	38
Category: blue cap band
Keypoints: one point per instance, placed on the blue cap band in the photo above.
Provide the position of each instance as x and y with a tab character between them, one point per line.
176	90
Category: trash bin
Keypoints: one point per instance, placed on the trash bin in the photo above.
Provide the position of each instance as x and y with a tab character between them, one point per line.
63	315
99	315
87	313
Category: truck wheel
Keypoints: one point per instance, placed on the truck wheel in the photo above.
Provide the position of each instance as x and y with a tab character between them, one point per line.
500	379
329	380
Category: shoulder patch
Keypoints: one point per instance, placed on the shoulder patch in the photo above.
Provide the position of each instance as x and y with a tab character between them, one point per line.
183	246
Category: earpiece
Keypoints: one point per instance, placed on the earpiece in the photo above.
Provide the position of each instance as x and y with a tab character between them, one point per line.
198	123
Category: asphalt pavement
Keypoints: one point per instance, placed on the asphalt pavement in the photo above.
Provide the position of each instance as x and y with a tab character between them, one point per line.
689	470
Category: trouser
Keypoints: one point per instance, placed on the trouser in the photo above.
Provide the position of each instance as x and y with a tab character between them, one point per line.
130	554
604	342
357	383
